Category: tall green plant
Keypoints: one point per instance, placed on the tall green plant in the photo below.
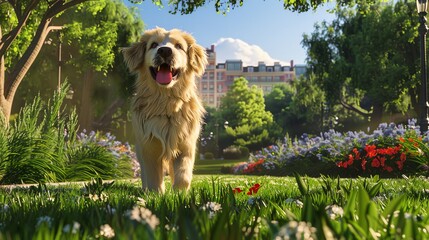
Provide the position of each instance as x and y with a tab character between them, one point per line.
33	145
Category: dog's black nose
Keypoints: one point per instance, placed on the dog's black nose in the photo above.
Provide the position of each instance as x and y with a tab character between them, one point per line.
165	52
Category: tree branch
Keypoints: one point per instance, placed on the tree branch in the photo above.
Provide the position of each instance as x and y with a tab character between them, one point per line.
25	62
354	109
20	69
60	6
2	71
7	39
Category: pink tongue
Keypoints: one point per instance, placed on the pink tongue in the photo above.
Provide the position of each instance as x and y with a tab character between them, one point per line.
164	76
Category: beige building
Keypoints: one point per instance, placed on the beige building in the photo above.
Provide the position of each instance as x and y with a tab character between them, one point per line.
219	77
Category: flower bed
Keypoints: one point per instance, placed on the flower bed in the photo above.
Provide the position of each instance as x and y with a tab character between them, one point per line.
390	150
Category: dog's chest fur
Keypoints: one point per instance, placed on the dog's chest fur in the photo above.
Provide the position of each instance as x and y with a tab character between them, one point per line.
169	119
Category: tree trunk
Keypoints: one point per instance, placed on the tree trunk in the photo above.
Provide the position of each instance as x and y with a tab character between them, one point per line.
86	112
5	106
9	85
377	114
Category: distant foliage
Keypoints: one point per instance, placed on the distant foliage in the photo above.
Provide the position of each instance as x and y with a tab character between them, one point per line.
208	155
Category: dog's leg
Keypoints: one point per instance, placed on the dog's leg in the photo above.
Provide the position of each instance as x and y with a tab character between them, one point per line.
182	169
152	165
142	168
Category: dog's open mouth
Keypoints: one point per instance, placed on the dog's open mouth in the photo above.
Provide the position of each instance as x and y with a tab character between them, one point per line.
164	73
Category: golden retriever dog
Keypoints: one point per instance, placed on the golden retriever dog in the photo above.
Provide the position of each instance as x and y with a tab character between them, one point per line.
167	111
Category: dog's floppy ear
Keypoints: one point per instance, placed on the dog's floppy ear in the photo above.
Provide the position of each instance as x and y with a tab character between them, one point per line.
197	58
134	55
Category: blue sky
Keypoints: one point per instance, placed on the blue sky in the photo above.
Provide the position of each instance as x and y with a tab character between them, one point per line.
258	23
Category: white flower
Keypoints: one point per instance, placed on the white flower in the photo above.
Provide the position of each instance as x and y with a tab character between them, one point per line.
334	211
141	202
94	197
212	206
107	231
73	229
296	201
44	219
172	229
299	203
143	215
296	230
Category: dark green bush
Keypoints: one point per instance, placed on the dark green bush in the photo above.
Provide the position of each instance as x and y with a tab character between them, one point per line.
245	153
41	145
208	155
91	160
33	145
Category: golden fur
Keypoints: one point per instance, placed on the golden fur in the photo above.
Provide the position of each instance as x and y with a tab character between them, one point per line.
167	118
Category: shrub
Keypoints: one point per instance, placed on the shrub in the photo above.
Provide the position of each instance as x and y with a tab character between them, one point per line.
245	153
33	145
97	154
208	155
232	152
390	150
41	145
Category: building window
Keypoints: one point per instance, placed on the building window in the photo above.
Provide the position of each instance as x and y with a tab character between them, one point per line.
276	78
250	69
211	86
233	66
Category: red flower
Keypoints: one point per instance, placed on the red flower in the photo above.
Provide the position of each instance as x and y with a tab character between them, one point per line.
254	189
375	163
400	164
342	164
363	163
351	159
236	190
357	153
403	157
371	150
388	168
382	161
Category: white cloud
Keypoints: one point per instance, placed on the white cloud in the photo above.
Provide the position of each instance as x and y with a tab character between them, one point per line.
232	48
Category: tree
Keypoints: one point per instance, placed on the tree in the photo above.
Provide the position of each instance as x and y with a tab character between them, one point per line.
97	31
224	6
28	22
249	123
279	102
366	59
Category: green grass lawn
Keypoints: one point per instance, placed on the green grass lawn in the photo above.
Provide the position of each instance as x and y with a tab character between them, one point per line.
213	166
266	208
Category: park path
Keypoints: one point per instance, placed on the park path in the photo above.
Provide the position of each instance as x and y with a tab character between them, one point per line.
81	183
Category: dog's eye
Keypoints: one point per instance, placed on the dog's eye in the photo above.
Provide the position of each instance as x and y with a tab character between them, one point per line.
154	45
179	46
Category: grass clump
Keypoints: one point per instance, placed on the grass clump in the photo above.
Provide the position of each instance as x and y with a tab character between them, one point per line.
41	145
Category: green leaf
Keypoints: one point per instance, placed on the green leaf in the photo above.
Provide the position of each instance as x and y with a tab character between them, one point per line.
301	185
